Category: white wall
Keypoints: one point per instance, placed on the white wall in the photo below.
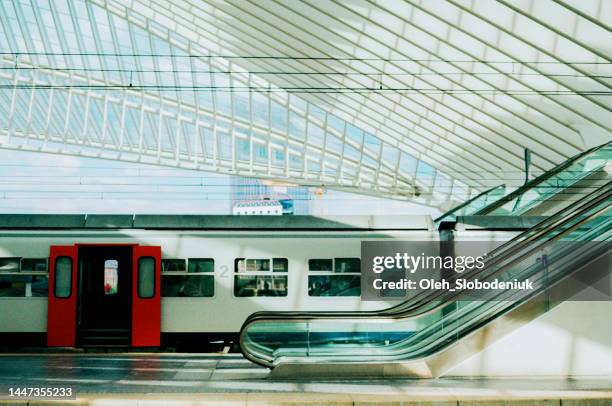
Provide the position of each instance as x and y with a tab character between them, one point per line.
573	339
23	315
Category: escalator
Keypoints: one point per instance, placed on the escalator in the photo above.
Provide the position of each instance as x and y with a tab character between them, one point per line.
431	332
557	188
544	194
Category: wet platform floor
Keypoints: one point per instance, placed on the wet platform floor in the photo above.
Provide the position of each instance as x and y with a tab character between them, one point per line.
128	375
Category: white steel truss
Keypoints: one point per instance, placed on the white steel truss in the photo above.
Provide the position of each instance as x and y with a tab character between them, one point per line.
423	100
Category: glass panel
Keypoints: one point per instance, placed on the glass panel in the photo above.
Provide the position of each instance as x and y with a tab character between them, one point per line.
279	117
425	173
297	126
315	135
39	285
201	265
111	277
146	277
280	265
257	265
188	286
173	265
63	277
320	264
11	286
9	264
34	264
347	265
24	285
259	285
316	112
334	285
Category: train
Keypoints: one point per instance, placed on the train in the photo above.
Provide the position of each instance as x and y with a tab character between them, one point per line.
183	282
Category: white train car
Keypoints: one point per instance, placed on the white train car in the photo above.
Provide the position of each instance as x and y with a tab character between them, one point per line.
154	280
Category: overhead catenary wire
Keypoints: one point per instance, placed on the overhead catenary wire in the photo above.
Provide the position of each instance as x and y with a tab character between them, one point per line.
303	90
299	57
292	73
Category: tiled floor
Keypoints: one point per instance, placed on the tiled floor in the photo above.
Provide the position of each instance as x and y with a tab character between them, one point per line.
230	375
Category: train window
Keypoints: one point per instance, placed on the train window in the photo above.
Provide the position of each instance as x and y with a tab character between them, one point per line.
280	265
38	286
257	265
24	285
63	277
200	265
23	277
320	264
9	264
194	285
340	277
343	265
146	277
253	277
34	265
197	281
12	286
173	265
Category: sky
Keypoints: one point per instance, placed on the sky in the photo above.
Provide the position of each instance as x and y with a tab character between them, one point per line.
33	182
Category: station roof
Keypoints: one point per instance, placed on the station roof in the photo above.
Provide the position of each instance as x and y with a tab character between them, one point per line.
430	101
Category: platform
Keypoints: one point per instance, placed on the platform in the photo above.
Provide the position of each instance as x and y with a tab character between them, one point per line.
228	379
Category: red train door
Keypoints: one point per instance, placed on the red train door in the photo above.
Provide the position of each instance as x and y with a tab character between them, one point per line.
62	305
146	296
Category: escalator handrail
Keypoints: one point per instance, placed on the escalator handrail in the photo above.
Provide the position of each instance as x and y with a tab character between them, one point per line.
467	203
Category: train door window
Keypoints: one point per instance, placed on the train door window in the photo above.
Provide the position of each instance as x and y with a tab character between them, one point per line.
173	265
146	277
63	277
266	277
334	277
111	277
197	281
